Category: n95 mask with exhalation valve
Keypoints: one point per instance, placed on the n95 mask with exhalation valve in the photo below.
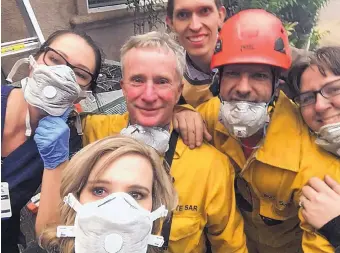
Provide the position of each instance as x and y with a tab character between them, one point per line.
242	118
53	89
155	137
114	224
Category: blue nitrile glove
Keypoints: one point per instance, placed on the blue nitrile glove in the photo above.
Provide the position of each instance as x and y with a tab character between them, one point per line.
52	137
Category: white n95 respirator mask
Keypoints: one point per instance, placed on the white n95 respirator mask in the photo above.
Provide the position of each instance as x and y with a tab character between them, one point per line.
116	223
243	119
155	137
328	138
53	89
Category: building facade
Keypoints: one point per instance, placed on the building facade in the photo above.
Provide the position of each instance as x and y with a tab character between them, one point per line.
108	22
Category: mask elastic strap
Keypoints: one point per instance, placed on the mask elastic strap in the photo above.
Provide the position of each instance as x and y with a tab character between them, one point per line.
77	124
158	213
15	68
28	131
271	101
156	240
71	200
65	231
275	88
32	61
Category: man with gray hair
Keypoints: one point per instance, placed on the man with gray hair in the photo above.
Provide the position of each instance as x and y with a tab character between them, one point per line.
152	67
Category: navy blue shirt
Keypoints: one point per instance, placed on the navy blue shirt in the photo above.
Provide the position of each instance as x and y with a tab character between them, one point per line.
22	170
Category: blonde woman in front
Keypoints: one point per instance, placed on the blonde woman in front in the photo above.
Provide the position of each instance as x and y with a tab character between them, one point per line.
110	189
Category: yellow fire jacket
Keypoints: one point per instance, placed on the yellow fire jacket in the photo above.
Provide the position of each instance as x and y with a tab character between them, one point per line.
270	181
204	180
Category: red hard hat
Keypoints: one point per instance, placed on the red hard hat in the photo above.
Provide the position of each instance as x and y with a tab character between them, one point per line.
253	36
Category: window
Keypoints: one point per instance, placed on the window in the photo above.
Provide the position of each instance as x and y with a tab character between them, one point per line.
105	5
110	5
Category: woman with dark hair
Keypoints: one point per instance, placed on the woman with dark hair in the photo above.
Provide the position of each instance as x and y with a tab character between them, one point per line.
32	118
316	80
97	52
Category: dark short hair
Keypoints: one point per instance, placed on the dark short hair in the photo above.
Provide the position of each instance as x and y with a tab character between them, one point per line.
325	58
170	7
89	41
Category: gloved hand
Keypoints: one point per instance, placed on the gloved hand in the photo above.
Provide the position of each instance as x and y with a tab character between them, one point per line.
52	137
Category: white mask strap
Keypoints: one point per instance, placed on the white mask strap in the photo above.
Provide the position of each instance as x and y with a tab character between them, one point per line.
28	131
71	200
68	231
158	213
32	61
15	68
78	124
156	240
65	231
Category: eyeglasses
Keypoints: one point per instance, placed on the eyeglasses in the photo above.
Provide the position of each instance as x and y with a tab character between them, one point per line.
328	91
52	58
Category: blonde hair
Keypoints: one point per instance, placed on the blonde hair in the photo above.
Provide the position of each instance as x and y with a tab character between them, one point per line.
77	172
156	40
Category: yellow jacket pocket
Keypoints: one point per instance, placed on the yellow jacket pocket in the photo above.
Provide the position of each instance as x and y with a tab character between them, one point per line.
185	233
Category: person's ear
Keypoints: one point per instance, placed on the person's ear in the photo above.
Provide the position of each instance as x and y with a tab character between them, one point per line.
222	15
180	89
169	23
123	87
